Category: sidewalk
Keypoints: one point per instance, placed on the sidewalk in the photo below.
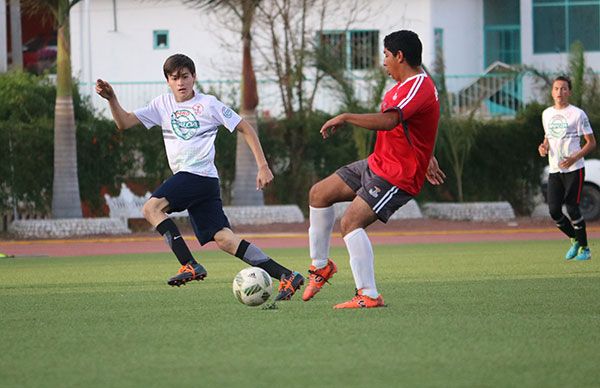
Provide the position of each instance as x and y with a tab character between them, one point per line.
295	235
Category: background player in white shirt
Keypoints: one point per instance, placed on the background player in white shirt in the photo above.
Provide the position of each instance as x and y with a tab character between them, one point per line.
564	125
189	122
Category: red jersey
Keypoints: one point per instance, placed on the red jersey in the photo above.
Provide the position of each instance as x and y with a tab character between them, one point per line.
400	160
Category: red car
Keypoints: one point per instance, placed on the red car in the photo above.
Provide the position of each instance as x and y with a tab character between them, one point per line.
39	54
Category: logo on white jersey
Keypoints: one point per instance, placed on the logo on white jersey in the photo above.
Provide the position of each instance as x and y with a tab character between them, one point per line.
184	124
227	112
557	127
198	109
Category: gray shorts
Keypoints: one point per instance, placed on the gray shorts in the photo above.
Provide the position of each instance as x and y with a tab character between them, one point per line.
383	197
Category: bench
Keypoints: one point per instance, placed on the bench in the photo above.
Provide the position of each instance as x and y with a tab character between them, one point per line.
127	205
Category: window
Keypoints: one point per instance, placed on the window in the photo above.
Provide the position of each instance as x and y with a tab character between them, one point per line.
559	23
354	50
502	31
160	39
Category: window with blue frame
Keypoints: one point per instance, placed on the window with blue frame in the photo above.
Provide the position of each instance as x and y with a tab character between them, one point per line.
160	39
502	31
502	42
559	23
353	49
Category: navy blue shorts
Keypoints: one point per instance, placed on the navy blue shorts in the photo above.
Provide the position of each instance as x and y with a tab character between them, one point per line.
201	197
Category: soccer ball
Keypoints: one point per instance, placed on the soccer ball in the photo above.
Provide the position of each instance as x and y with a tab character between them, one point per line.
252	286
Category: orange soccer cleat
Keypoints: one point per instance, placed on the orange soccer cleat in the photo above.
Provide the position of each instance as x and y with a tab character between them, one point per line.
187	273
318	278
361	301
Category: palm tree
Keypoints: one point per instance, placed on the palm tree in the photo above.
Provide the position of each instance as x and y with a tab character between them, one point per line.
244	185
15	34
66	202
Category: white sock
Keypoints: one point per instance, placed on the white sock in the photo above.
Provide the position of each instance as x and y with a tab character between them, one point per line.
362	261
319	234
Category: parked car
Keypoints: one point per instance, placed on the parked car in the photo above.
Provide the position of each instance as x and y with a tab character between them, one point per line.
590	194
39	53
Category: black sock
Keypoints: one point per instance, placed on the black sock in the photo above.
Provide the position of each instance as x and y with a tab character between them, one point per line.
580	233
252	255
274	269
564	224
170	232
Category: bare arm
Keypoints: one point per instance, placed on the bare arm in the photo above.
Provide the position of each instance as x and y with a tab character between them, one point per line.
590	145
264	176
122	118
543	148
373	121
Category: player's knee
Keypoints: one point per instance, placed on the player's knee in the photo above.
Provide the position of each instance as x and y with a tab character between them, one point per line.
316	196
347	225
573	212
555	211
149	209
225	240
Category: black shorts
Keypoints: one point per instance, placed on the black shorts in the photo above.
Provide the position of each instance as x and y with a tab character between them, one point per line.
201	197
383	197
565	187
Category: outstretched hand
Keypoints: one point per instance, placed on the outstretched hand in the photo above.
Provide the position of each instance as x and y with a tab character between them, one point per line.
264	177
331	125
104	89
434	174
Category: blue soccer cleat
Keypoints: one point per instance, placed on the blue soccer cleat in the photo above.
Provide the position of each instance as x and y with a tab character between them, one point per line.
583	254
573	251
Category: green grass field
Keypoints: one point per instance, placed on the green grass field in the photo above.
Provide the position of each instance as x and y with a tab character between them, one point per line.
459	315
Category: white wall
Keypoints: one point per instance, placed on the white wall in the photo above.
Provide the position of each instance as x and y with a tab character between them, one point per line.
462	21
127	54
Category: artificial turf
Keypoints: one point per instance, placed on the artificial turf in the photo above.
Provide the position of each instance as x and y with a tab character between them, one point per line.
509	314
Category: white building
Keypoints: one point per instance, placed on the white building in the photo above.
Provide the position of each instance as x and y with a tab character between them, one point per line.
127	41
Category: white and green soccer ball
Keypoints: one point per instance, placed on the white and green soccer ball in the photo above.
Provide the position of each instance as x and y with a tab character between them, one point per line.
252	286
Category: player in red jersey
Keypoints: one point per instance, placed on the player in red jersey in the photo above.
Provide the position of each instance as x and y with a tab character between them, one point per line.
379	185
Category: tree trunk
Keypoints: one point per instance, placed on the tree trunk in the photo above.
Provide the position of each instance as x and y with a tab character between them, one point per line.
244	184
66	202
3	35
16	42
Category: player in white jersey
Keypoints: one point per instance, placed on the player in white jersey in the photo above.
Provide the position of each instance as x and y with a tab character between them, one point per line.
189	122
564	125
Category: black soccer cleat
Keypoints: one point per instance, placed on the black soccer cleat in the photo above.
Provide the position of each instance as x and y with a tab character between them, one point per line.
289	285
187	273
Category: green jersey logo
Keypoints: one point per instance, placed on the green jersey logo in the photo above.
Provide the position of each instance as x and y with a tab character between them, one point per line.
184	124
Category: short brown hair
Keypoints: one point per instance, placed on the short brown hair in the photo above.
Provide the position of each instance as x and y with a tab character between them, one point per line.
563	78
176	63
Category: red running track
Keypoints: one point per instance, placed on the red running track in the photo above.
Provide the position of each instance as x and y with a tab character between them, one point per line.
405	232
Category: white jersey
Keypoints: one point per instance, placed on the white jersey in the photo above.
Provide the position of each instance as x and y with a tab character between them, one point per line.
563	129
189	129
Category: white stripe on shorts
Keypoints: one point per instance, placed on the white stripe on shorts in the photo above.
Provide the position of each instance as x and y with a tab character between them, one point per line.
385	199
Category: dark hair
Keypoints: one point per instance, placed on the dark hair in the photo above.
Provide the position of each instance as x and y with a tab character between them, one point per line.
563	78
406	41
176	63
